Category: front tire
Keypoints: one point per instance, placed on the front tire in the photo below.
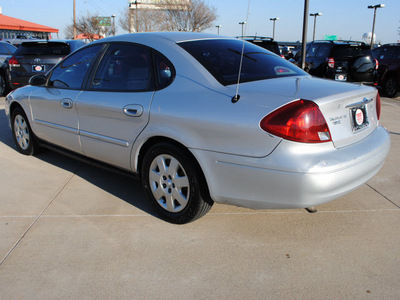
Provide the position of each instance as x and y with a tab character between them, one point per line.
174	184
22	133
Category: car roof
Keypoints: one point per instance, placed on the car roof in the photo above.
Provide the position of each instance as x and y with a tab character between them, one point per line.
175	37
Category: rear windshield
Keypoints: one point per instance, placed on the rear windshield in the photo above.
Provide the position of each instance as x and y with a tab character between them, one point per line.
222	59
351	51
43	48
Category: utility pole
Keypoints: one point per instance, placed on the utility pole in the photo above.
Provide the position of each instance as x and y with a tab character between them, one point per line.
304	41
74	19
273	30
242	23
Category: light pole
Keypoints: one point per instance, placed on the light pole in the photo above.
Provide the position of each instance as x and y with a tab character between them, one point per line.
373	24
113	24
242	23
273	28
315	15
218	27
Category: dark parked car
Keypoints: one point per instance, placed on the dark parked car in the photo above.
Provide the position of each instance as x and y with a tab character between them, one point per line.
6	51
340	60
264	42
38	57
388	57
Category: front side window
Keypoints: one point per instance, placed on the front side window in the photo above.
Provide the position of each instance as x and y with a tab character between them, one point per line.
222	59
124	67
69	74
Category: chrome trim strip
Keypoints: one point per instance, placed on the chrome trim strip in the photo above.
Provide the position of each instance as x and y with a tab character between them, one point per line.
364	101
57	126
103	138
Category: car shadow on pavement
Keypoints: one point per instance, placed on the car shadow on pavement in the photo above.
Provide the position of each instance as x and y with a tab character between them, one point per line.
121	185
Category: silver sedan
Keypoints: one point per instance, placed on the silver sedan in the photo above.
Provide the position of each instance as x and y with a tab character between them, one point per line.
202	118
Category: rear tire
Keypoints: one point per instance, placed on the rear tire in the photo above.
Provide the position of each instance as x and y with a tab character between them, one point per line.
22	133
174	184
392	86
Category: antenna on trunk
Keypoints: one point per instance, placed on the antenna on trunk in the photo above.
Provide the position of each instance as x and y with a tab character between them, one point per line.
237	96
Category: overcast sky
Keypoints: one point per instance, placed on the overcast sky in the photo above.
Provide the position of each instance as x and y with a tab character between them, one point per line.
347	19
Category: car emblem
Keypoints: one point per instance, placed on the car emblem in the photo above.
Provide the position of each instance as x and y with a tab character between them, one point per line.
36	60
366	100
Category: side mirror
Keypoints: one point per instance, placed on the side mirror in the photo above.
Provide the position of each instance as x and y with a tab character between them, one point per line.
38	80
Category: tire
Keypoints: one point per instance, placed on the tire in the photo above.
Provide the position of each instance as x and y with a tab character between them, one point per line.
392	86
174	184
22	133
3	86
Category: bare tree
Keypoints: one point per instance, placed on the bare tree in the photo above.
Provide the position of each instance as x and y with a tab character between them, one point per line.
196	16
171	15
142	20
89	26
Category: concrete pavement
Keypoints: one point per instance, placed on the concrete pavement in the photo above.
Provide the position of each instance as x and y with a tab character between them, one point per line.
72	231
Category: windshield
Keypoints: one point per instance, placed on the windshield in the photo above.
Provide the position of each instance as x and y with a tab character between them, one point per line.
43	48
222	59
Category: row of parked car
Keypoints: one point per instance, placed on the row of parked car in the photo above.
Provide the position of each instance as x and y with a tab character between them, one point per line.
346	61
339	60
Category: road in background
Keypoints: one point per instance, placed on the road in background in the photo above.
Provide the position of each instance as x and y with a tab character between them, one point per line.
69	230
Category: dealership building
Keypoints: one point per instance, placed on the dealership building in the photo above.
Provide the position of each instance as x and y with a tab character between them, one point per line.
12	27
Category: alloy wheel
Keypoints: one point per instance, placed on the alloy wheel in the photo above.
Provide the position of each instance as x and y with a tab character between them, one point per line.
169	183
21	132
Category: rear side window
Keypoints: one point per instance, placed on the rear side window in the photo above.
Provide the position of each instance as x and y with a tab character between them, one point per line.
3	50
10	48
124	67
43	48
351	51
222	59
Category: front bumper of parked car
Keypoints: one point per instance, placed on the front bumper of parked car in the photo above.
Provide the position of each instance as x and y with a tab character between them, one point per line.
294	176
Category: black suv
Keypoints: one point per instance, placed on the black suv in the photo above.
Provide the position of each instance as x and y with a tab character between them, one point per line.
264	42
37	57
388	57
340	60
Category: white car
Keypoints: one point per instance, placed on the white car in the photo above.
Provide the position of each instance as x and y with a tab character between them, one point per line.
168	106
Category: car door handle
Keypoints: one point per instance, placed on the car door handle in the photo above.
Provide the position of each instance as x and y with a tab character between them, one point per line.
66	103
133	110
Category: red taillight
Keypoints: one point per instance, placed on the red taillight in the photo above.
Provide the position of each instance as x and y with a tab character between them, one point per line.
378	106
13	62
299	121
331	62
376	64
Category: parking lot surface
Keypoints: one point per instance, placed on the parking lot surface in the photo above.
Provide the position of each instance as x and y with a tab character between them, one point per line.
69	230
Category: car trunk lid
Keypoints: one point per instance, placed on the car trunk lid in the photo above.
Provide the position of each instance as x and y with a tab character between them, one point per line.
349	109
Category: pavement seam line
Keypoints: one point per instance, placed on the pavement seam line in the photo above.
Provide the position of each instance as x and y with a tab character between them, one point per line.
37	217
383	195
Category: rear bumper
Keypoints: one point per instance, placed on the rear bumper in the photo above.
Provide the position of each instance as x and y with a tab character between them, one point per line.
294	175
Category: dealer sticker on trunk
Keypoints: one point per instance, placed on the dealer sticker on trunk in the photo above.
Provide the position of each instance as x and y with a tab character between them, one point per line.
359	117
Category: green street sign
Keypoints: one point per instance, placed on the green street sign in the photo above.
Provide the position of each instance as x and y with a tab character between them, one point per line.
103	21
330	37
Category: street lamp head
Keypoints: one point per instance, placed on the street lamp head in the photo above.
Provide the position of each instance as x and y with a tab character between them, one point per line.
376	6
315	14
273	19
242	23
